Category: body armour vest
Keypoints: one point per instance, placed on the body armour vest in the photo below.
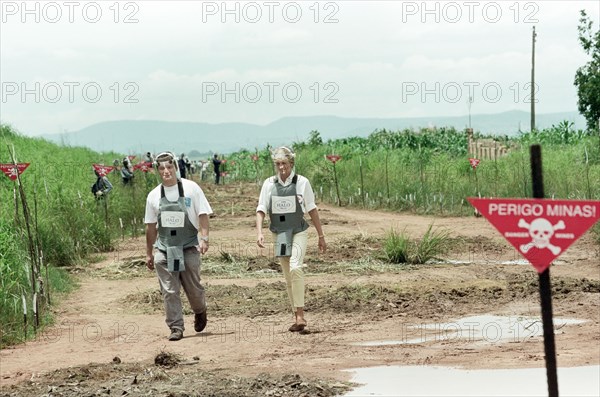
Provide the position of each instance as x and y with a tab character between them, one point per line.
286	215
175	230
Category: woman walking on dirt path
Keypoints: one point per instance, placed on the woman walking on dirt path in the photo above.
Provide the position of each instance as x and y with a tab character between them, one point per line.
175	211
286	197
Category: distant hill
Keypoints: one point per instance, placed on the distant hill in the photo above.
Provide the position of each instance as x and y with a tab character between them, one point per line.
140	136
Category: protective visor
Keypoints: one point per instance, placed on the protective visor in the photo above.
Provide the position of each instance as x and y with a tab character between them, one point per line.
165	157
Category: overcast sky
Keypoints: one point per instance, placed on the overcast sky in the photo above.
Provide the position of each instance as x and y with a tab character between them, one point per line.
68	64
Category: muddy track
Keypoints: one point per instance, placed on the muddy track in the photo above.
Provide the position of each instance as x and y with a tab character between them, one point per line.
109	332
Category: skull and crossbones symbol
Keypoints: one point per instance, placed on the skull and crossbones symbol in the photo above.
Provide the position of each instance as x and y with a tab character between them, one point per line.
541	230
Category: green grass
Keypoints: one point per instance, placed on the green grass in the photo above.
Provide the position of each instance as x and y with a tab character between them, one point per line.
15	282
428	171
596	233
433	244
397	246
400	248
64	226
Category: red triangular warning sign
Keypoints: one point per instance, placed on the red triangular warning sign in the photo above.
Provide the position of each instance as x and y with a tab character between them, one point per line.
11	171
103	170
145	166
334	158
540	229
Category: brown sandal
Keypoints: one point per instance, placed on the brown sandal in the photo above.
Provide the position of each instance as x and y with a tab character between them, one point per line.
297	327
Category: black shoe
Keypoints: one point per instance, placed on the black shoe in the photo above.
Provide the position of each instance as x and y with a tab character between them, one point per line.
176	334
200	321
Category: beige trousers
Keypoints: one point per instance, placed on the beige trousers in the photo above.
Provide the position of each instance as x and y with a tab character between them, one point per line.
292	270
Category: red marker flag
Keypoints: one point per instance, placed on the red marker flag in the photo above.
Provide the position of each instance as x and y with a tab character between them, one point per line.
474	162
11	171
540	229
145	166
103	170
334	158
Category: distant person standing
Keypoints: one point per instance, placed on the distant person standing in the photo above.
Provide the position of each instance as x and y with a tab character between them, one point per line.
204	169
148	157
188	166
217	167
126	171
181	165
101	187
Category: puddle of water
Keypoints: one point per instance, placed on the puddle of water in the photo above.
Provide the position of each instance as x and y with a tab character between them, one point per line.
485	328
415	381
486	262
516	262
477	329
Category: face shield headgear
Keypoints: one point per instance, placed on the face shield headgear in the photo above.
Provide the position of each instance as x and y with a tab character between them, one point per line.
166	158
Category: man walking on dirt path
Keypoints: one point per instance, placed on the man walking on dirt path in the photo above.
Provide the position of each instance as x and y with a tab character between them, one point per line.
175	211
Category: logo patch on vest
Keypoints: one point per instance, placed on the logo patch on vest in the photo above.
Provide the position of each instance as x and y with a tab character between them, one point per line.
172	219
283	204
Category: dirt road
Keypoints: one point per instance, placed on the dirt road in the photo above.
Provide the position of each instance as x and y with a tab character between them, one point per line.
110	331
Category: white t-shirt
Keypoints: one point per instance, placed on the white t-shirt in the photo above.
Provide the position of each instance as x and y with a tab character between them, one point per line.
195	201
304	192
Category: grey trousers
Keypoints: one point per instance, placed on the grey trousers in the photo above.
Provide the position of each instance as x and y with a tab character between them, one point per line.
171	283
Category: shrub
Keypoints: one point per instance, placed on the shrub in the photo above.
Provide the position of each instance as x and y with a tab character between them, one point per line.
433	244
399	248
396	247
